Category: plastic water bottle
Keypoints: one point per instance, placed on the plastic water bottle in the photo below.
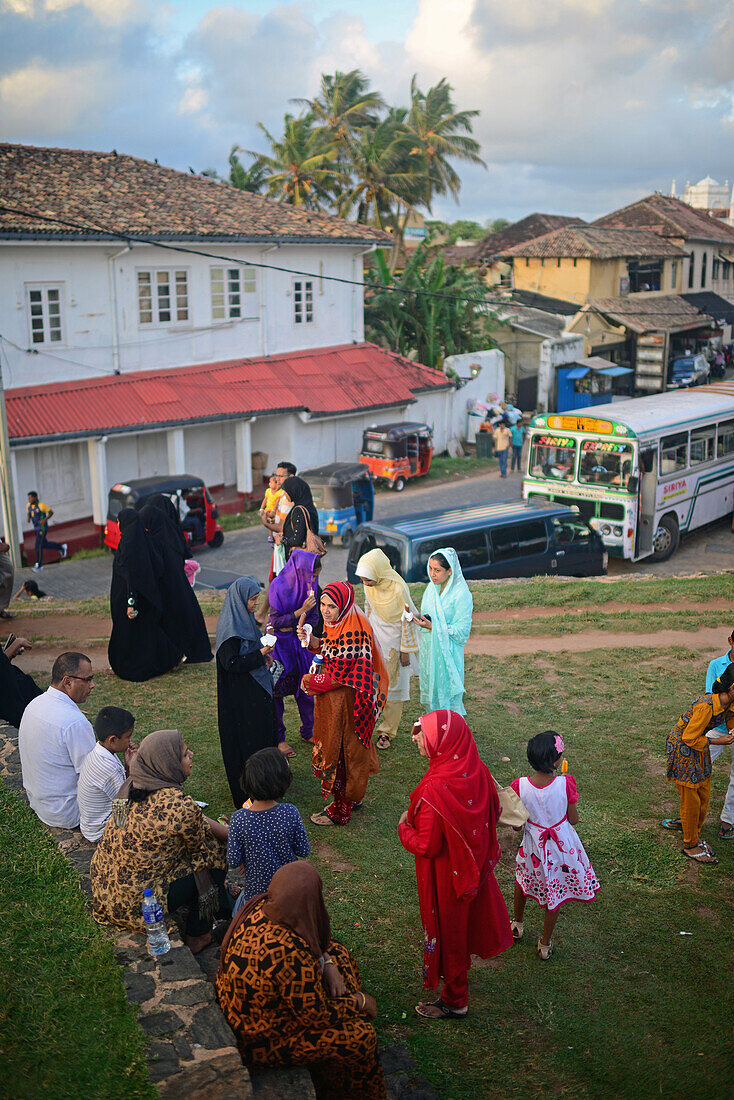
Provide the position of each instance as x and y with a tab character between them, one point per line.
158	942
316	664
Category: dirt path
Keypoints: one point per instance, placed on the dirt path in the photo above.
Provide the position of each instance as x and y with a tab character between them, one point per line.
712	639
524	614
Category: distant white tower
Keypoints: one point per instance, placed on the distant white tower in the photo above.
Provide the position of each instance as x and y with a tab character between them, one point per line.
707	194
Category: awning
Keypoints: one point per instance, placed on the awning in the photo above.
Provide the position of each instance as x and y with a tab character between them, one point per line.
601	366
578	372
615	372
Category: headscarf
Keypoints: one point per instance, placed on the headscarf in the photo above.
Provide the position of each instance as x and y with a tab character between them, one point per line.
451	607
290	588
458	787
353	658
156	764
389	597
299	492
236	621
169	530
295	900
134	558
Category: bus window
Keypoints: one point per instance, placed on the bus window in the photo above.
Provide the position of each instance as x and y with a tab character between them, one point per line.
552	456
702	445
604	463
673	453
725	439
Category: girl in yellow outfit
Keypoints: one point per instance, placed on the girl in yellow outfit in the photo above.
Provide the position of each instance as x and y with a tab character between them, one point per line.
689	760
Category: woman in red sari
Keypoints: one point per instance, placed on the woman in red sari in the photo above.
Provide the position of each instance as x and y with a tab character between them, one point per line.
450	827
350	692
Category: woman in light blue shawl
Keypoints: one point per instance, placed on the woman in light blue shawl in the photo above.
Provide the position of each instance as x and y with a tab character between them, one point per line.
446	611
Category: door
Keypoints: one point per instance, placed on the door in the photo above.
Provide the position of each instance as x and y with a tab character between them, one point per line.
520	550
646	502
574	551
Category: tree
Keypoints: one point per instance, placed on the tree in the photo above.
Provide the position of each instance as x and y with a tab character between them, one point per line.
440	133
298	169
343	106
441	311
381	180
250	179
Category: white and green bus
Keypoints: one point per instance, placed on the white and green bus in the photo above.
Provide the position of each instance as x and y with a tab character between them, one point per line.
643	471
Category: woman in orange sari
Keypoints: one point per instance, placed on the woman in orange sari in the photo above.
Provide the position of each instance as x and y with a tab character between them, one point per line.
350	692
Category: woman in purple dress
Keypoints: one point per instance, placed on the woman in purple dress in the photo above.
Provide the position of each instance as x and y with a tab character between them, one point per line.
294	592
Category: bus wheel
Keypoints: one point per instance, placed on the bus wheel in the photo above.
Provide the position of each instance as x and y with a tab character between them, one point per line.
666	539
398	484
216	540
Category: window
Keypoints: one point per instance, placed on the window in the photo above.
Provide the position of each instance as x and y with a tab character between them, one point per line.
471	548
691	265
393	551
703	270
234	293
558	262
44	311
725	439
163	297
518	541
302	301
552	456
702	445
673	274
673	453
725	270
715	268
605	463
569	529
645	276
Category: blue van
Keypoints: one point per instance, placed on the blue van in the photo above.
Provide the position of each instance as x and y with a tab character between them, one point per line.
522	539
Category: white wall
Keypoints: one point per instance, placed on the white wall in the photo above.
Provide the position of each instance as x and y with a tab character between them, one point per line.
554	353
59	473
96	338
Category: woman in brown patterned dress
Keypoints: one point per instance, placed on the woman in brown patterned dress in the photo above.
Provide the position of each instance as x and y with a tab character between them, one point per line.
292	995
158	837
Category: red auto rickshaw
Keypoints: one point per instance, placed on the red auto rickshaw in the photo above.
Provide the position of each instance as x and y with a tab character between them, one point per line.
190	496
397	452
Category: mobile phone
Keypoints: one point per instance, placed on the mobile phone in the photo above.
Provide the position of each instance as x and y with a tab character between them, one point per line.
9	642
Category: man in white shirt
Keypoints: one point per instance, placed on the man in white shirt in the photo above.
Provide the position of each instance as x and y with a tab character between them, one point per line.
54	737
102	772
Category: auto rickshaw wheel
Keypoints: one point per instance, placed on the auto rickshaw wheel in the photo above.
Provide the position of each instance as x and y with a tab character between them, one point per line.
398	484
216	540
346	538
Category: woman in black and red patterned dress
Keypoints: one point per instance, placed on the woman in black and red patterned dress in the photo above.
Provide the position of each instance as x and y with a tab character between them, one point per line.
350	693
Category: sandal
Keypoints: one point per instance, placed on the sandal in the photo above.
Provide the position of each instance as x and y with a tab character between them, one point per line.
383	741
287	751
726	831
705	856
5	615
545	950
443	1013
518	928
321	818
672	823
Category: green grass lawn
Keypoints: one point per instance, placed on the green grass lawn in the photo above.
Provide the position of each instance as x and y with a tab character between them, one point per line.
626	1006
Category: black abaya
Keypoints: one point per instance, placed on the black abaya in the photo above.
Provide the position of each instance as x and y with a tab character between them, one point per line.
245	712
16	691
181	616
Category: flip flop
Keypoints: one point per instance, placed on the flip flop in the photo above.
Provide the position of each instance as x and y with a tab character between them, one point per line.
382	742
446	1013
672	823
288	752
5	615
321	818
726	831
706	857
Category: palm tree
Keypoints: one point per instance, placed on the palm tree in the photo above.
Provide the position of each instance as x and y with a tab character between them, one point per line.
250	179
298	169
343	105
382	173
440	132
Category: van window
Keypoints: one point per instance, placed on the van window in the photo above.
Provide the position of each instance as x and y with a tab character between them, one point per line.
519	540
368	541
570	529
673	453
471	548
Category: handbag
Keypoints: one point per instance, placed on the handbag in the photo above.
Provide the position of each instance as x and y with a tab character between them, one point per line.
512	808
314	544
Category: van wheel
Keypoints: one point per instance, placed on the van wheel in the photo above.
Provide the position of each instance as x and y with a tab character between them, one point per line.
216	540
666	540
398	484
347	537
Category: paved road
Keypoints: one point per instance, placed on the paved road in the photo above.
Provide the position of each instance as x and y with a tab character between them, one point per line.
246	552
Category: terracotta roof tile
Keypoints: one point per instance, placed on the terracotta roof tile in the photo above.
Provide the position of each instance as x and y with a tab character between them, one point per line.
129	195
656	313
670	217
596	243
527	229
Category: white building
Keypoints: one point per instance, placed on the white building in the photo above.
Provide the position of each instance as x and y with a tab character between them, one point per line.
153	321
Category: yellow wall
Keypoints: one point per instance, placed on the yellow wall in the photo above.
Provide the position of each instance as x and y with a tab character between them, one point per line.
587	279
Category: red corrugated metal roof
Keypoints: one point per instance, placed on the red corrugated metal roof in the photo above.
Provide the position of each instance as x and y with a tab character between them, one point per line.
321	381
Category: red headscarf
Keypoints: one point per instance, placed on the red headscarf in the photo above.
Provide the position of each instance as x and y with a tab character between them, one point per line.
353	658
460	789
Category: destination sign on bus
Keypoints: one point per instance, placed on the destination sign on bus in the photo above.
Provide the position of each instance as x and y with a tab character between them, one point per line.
553	441
585	424
604	445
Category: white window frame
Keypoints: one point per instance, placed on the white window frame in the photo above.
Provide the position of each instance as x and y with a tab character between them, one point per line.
303	302
159	277
46	303
233	293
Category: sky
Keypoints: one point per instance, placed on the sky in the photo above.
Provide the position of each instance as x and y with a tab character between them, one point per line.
585	105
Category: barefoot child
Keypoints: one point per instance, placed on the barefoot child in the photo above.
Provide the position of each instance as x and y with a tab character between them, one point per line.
689	761
265	834
551	864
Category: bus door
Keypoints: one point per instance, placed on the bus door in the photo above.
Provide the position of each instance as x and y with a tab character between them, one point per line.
646	506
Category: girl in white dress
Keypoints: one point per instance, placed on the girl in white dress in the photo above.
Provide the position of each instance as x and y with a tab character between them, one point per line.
551	864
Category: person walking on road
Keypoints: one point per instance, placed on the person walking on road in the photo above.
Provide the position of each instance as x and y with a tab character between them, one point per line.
517	433
39	514
502	443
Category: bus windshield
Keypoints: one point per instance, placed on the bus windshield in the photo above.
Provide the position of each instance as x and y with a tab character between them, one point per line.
605	463
552	456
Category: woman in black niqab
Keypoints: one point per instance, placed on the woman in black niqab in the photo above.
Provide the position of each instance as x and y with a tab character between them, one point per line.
139	648
181	615
295	526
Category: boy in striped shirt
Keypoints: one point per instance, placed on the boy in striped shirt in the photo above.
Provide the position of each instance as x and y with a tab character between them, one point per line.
102	772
